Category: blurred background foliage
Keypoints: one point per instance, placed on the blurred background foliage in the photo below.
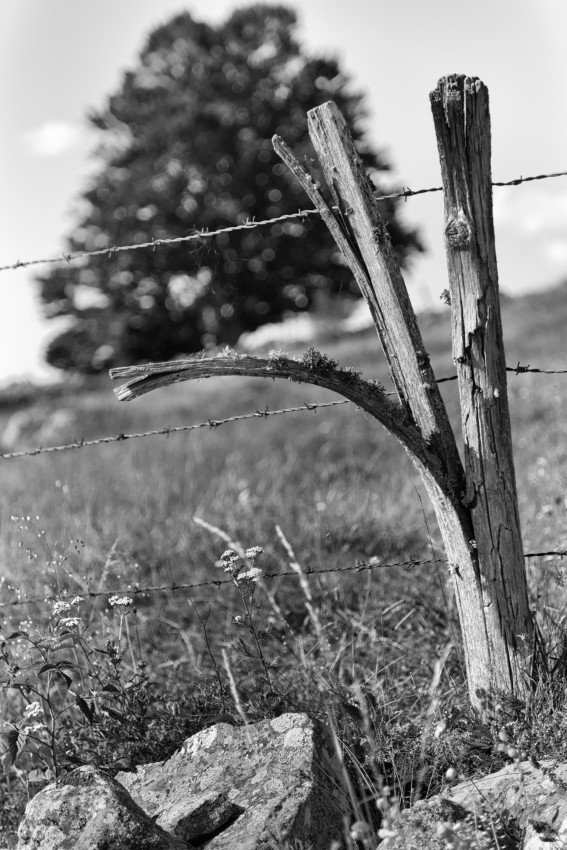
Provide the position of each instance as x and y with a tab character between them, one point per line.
185	145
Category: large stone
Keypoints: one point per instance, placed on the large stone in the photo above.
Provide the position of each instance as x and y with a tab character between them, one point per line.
247	787
523	805
88	810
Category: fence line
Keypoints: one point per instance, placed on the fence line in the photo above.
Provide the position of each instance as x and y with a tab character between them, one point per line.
215	423
360	566
517	370
210	423
248	225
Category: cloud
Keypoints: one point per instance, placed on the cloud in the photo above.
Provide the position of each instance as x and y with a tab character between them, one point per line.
535	219
532	212
52	138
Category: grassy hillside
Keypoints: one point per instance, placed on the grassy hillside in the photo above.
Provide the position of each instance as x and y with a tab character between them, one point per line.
342	490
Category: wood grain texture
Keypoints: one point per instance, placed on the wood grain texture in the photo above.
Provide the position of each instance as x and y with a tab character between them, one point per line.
462	124
366	395
386	293
476	506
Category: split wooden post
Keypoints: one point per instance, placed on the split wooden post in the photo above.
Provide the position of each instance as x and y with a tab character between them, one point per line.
462	124
492	617
496	626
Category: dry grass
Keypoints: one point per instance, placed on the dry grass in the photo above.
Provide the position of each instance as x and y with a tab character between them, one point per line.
341	490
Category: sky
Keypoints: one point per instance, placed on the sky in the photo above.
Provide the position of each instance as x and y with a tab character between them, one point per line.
61	58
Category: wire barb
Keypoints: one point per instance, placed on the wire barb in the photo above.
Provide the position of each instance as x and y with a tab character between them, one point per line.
247	225
210	423
359	566
215	423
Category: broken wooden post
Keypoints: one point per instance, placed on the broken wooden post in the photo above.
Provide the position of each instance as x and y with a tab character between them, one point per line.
495	657
395	321
462	124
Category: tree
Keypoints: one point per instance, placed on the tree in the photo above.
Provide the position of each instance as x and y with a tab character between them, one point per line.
185	145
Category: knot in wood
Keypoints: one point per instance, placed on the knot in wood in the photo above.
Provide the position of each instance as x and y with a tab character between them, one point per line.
458	233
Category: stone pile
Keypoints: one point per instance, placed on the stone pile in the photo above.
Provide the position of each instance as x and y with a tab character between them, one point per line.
247	787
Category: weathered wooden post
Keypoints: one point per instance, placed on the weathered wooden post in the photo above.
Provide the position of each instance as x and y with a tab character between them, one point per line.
462	124
489	581
496	623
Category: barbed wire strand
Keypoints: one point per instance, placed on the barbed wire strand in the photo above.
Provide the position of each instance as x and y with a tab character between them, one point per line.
517	370
215	423
359	566
248	225
210	423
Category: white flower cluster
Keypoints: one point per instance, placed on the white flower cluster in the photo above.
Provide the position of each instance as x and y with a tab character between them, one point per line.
69	622
230	562
61	607
251	575
120	601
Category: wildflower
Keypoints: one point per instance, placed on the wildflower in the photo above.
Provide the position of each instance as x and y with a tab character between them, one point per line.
77	599
238	621
36	727
230	561
69	622
361	832
120	601
250	575
253	552
230	556
34	709
60	608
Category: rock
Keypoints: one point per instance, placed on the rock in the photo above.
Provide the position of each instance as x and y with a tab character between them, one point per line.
439	823
227	787
246	787
523	799
88	810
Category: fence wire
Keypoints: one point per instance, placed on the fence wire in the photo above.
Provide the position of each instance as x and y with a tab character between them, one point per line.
210	423
248	225
359	566
216	423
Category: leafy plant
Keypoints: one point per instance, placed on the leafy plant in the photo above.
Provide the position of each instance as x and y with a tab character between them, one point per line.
68	688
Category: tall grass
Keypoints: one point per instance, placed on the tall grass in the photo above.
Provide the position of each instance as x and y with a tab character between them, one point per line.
341	490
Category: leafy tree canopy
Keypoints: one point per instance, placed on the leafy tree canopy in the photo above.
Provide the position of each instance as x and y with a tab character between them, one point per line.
185	145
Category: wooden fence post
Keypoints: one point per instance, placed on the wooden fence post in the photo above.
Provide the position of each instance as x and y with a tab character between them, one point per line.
462	124
492	618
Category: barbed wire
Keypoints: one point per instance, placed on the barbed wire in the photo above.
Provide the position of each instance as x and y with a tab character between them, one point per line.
359	566
248	225
156	243
520	370
215	423
517	370
210	423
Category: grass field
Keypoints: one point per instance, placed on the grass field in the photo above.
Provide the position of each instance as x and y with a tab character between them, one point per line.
342	491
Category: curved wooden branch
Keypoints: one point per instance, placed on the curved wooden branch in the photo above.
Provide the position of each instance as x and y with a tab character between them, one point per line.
314	369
